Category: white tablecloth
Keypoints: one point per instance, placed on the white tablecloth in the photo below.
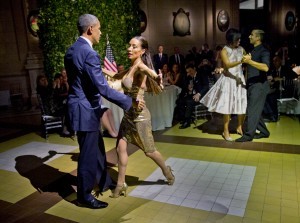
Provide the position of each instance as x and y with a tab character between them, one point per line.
162	106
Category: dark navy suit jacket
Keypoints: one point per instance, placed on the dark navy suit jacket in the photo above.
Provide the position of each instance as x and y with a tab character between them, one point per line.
159	62
87	85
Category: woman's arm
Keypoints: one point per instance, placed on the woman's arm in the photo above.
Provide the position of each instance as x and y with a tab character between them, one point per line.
227	64
108	72
148	71
263	66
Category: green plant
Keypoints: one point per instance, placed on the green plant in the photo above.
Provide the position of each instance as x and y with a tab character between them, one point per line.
57	27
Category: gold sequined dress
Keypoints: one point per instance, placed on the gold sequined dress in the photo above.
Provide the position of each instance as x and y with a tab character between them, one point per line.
136	126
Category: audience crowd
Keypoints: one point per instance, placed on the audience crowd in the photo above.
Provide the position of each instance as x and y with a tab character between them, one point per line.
195	73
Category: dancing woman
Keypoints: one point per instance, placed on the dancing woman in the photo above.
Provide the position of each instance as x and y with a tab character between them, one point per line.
228	95
136	124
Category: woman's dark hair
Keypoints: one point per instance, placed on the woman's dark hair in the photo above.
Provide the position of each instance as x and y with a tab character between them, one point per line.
232	35
146	57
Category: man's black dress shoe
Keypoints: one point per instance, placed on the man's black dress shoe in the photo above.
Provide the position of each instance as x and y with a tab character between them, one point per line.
93	204
260	135
243	139
185	125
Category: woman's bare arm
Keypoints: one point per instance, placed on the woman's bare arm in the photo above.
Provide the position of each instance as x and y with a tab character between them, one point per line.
108	72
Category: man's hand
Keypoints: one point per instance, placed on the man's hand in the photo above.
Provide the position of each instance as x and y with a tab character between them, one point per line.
196	97
246	58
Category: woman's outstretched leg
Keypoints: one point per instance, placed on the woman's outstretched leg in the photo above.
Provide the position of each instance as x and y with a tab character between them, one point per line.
159	160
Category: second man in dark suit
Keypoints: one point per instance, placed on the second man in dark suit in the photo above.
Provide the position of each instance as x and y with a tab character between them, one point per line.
160	58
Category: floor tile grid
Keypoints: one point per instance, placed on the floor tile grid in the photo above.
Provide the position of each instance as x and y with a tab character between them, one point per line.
208	186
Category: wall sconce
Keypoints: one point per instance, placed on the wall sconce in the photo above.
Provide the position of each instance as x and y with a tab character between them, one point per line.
143	20
290	20
223	20
181	23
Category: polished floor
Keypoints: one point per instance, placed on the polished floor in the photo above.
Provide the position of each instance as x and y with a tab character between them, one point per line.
216	180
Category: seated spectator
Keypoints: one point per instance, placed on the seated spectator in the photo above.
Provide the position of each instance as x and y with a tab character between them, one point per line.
195	87
193	57
206	71
165	71
282	86
60	88
51	106
64	84
174	75
177	58
206	53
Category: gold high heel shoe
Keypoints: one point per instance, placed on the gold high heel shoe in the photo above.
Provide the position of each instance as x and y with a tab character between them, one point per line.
170	176
120	189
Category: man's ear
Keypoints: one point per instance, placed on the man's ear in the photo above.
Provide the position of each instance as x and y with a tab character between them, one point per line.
89	30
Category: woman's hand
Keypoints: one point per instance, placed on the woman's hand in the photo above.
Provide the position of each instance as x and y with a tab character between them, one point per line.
246	58
108	72
138	103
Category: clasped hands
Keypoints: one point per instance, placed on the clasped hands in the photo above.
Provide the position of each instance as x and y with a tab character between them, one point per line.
246	58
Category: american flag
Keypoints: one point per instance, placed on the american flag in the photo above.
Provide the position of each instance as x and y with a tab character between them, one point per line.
109	60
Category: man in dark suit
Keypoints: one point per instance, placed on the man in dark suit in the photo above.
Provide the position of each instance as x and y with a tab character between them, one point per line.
160	58
177	58
87	85
195	87
206	53
258	63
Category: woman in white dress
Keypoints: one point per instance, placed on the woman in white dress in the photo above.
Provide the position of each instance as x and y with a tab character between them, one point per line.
228	95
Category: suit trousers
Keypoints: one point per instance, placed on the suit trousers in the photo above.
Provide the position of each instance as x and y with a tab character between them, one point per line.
92	166
256	97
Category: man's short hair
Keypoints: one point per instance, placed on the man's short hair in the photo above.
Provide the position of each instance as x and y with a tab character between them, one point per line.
85	21
260	33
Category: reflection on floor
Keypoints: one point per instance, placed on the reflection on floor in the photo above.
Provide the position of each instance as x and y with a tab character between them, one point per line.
216	181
